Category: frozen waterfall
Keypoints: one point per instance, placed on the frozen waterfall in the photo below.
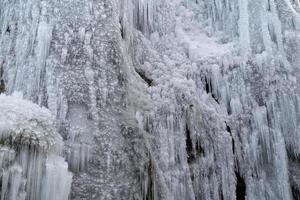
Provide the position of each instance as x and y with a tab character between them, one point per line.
150	99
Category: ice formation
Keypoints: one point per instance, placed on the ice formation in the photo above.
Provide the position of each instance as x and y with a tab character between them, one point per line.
155	99
31	167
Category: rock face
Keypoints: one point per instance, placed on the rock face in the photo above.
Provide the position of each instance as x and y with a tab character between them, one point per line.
154	99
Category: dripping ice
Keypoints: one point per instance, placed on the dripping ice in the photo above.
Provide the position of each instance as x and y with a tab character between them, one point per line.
200	98
224	66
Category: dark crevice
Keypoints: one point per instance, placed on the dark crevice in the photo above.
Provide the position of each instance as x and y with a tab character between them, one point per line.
269	118
208	89
1	72
142	74
207	85
2	86
215	98
221	196
240	187
8	29
189	145
260	101
292	157
295	193
229	111
228	129
191	152
122	29
150	189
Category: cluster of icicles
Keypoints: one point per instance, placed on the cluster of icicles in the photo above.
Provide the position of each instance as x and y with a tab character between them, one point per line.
262	116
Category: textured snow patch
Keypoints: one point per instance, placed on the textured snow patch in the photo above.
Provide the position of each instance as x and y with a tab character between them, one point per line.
198	45
29	148
26	123
202	47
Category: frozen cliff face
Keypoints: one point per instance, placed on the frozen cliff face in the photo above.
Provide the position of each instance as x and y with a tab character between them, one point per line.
225	99
178	99
67	56
31	167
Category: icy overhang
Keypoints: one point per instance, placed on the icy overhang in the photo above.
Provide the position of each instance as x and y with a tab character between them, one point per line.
25	123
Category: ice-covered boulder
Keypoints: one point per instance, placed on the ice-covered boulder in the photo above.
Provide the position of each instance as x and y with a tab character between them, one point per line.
25	123
31	167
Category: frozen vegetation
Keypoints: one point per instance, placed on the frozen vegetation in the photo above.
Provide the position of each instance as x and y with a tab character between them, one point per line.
150	99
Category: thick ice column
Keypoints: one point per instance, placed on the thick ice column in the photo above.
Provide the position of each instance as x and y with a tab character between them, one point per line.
57	179
26	30
147	16
79	139
268	151
244	28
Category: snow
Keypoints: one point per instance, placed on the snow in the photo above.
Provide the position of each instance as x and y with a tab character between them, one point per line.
22	118
226	74
199	45
29	148
179	99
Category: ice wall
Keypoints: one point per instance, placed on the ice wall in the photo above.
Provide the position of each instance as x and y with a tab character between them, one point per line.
179	99
224	96
67	56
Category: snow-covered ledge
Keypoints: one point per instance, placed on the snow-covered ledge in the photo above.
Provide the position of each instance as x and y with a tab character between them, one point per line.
31	167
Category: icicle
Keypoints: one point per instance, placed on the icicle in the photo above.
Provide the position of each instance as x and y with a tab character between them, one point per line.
56	180
79	157
244	28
